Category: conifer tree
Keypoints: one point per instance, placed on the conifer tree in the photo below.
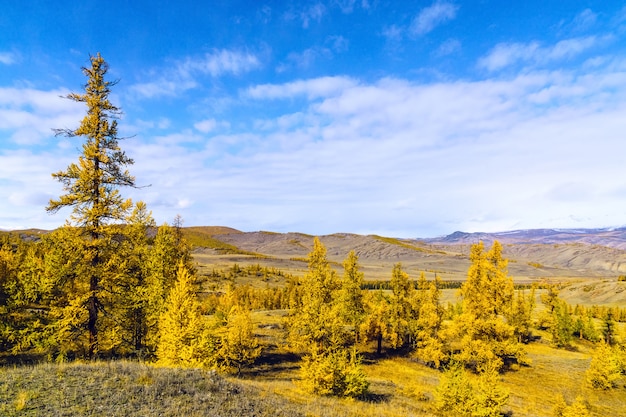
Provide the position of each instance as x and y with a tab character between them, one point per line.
376	324
92	187
429	347
318	326
520	316
351	295
316	323
460	395
238	346
161	267
401	311
487	294
181	325
129	299
8	283
605	368
562	324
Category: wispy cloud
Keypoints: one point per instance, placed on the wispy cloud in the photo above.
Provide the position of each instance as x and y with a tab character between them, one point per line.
506	54
183	75
8	58
431	17
210	125
30	114
313	88
313	12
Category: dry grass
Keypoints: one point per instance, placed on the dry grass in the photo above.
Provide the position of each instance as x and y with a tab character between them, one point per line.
129	389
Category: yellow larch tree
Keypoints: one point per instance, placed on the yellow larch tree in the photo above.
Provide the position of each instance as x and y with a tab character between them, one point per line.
92	190
485	334
181	325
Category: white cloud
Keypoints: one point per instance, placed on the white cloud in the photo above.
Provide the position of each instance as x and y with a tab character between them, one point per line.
392	156
431	17
205	126
7	58
183	75
314	88
312	12
506	54
30	114
220	62
210	125
448	47
372	154
393	33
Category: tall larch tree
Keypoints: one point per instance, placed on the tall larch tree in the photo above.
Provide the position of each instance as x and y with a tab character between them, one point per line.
486	336
401	308
92	185
316	323
351	294
181	325
428	343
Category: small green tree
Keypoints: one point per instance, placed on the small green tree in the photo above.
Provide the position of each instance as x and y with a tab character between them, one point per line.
562	325
609	330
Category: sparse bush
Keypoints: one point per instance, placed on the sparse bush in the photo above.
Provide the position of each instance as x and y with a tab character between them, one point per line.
459	395
577	409
334	373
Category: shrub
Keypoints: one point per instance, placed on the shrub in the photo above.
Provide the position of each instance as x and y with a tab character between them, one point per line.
334	373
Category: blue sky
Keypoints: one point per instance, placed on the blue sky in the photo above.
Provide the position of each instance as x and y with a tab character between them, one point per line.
408	119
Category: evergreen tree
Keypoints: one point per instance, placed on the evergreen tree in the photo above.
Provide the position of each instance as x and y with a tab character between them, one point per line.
161	266
92	189
8	287
334	372
454	394
129	301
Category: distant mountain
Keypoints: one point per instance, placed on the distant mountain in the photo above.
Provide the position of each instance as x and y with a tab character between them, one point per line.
610	237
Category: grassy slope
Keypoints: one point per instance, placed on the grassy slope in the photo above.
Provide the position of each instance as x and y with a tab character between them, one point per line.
129	389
